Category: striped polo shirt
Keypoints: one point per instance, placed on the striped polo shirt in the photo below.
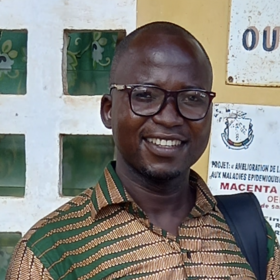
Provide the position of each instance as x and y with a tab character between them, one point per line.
103	234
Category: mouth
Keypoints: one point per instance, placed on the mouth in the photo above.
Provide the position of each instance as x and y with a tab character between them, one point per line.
164	142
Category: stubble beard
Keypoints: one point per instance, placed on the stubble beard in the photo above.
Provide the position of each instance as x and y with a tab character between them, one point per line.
157	176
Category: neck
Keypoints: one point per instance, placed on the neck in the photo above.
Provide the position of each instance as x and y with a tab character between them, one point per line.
165	202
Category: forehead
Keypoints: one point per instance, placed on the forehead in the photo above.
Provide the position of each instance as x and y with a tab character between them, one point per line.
151	54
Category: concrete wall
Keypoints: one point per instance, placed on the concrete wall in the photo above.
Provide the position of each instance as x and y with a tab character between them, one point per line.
45	112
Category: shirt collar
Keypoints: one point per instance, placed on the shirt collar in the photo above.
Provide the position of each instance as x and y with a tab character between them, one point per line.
110	190
205	201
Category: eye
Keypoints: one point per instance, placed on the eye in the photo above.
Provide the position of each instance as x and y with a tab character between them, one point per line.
143	94
193	97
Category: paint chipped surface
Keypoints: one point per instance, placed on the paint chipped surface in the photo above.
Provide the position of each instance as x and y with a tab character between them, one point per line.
253	51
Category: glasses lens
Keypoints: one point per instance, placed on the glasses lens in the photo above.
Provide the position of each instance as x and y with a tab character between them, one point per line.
146	101
193	104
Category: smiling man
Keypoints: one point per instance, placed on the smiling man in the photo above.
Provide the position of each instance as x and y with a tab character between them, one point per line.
150	216
160	113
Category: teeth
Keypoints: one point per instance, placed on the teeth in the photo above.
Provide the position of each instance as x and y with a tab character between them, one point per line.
163	142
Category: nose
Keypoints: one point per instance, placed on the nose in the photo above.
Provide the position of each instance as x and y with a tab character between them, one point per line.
169	116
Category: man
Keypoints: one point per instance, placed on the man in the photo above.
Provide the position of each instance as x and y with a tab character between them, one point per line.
150	216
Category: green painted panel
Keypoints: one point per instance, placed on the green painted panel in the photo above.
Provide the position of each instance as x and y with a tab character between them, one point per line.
84	158
12	165
7	245
89	57
13	60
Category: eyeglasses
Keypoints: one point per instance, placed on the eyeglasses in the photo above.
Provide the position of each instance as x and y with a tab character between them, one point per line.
147	100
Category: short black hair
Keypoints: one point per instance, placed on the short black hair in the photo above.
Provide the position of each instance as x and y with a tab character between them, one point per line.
158	26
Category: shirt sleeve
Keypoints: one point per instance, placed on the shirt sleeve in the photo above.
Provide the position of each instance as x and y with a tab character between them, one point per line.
25	265
273	266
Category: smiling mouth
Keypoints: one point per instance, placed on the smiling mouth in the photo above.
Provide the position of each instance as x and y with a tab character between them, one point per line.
164	142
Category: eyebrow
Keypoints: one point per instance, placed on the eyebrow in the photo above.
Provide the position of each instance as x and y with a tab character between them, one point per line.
184	87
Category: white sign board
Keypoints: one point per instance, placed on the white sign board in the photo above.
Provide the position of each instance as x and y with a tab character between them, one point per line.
245	155
254	51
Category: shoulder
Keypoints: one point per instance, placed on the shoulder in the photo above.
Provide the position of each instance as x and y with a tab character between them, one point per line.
273	256
73	233
75	214
34	254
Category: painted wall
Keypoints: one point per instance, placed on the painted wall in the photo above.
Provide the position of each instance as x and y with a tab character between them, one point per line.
208	20
46	111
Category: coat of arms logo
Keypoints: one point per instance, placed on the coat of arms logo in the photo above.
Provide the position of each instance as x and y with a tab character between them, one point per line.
238	133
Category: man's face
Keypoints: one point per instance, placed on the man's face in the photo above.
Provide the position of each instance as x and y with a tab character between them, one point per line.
172	63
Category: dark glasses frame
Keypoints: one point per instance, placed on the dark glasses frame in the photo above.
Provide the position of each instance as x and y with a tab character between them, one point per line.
130	87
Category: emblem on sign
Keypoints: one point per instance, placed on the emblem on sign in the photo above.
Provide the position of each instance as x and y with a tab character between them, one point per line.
238	133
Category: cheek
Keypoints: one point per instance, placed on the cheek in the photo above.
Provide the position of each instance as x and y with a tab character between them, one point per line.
126	127
120	113
199	143
201	132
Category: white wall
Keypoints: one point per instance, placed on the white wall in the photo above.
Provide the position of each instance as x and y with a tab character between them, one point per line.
45	112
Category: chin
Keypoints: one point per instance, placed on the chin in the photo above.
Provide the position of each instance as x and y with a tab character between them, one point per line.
156	175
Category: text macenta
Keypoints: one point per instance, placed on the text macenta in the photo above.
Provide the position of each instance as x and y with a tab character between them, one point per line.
248	188
273	198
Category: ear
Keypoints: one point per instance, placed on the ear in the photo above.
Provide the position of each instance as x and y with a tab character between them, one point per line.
105	110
